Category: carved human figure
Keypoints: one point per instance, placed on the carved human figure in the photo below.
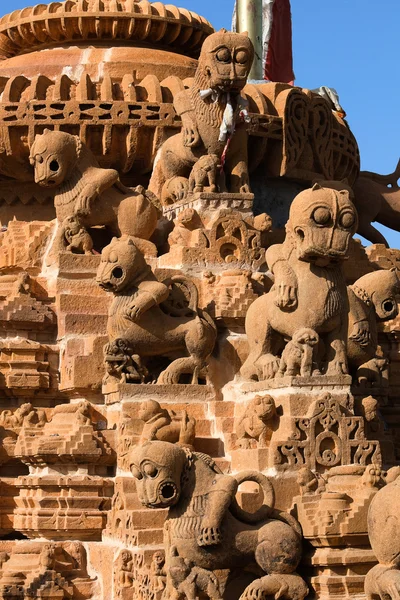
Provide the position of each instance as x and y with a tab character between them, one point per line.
125	569
159	425
157	570
383	580
218	534
309	289
298	355
257	422
91	195
213	128
136	318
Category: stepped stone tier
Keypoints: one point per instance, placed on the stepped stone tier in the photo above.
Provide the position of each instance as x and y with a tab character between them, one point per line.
199	362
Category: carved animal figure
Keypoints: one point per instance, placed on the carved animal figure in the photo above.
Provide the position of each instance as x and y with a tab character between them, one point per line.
211	122
136	318
297	357
84	190
77	236
204	174
205	524
189	580
309	289
372	372
372	299
256	422
383	581
159	425
377	198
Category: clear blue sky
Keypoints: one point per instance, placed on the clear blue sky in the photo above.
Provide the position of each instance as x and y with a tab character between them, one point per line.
351	45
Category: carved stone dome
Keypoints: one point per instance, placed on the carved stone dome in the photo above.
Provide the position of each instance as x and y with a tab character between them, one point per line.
132	21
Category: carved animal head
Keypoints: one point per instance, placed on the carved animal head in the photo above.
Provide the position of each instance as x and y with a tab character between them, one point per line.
321	224
54	155
149	409
264	407
380	288
121	264
225	61
306	337
158	468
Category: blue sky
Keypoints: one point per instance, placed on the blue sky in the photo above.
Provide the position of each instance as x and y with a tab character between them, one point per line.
351	45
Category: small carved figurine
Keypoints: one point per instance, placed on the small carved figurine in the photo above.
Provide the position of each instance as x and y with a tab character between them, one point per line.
205	524
310	482
213	128
76	235
125	569
256	422
93	195
186	224
204	174
189	580
297	357
136	318
309	289
383	580
159	425
157	570
373	372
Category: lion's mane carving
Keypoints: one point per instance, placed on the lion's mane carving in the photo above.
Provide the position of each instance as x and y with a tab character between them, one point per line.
205	524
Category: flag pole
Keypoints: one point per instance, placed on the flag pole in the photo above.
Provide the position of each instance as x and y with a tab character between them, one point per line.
249	18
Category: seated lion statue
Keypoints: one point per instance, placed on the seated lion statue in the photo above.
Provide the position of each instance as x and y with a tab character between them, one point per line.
88	193
206	526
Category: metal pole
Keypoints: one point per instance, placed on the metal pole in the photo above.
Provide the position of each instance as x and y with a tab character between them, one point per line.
249	18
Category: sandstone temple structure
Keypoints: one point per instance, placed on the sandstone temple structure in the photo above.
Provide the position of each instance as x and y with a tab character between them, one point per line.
199	363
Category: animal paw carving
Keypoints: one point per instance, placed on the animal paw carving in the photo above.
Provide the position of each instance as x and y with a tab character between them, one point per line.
134	313
191	136
361	333
286	296
209	536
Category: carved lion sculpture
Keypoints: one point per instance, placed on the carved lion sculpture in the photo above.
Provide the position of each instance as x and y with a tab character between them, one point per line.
383	580
205	524
211	122
94	196
309	289
136	318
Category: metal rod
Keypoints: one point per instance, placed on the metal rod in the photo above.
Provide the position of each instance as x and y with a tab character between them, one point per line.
249	18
